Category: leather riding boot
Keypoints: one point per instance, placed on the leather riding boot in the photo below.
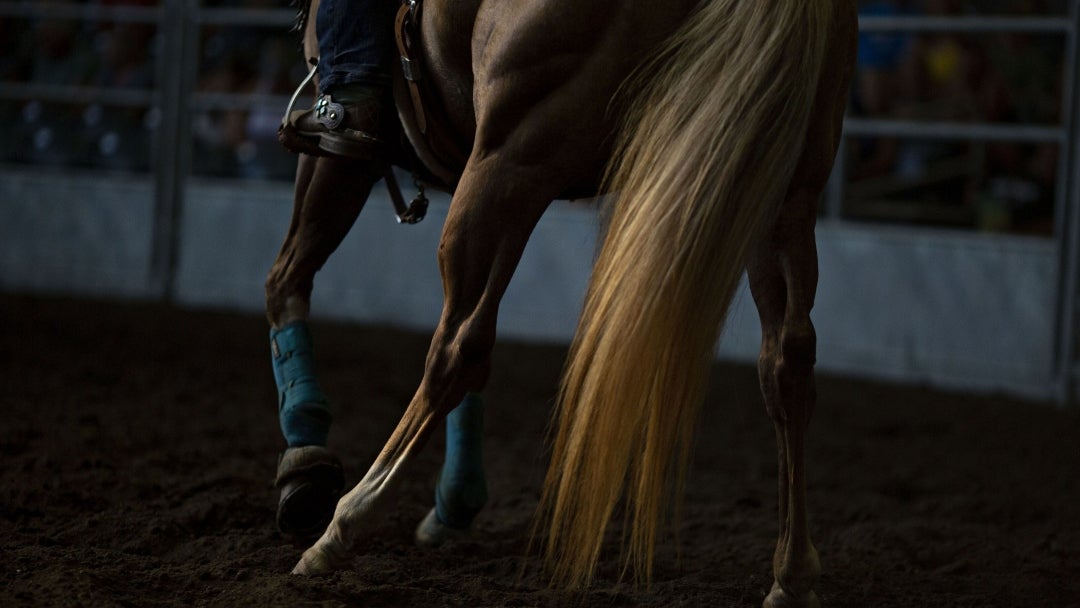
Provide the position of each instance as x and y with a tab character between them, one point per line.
329	128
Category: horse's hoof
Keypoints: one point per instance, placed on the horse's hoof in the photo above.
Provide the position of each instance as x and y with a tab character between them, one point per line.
311	481
432	533
778	598
316	562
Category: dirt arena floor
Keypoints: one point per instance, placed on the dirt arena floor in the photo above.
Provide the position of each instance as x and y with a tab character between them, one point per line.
139	442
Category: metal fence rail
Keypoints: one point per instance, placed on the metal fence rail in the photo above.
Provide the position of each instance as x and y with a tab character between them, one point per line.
82	12
977	24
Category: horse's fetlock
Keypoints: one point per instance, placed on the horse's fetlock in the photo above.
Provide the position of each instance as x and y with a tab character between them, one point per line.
800	573
285	302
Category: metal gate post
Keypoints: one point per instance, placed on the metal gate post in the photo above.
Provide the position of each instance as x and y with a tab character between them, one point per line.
1067	225
176	69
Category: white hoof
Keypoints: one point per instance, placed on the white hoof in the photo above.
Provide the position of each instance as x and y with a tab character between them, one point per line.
316	562
432	533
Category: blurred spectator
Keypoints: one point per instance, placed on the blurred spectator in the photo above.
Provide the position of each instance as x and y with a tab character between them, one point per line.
61	55
244	142
952	77
948	69
52	52
119	137
1024	83
64	52
883	81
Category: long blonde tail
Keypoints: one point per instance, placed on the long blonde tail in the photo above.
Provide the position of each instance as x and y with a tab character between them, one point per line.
716	127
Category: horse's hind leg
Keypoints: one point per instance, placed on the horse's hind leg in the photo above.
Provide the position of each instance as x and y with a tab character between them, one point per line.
328	197
783	279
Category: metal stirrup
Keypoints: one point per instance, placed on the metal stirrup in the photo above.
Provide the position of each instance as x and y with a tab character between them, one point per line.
411	214
314	61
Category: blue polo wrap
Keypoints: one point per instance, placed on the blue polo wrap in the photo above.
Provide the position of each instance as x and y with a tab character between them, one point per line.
303	410
462	488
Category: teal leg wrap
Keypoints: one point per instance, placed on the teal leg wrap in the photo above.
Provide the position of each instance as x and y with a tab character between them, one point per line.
303	410
462	488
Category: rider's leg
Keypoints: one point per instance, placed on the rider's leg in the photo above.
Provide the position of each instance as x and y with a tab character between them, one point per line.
356	48
356	44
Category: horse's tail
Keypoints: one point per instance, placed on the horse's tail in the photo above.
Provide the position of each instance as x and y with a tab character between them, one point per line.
717	123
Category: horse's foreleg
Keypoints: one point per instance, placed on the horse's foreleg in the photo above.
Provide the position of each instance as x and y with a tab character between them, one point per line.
492	215
461	490
328	197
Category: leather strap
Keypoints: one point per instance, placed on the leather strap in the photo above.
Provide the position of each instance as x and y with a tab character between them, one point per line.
444	154
406	23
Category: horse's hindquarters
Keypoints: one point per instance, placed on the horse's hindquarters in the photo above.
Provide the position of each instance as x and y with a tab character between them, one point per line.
547	68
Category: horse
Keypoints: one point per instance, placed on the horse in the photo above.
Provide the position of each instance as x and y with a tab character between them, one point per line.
711	126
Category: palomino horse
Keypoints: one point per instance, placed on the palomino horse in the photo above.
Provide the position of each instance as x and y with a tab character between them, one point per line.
714	126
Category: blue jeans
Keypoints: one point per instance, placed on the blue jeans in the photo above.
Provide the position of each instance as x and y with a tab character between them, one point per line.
356	42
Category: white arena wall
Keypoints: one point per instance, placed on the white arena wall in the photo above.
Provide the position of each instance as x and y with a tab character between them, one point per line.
944	308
